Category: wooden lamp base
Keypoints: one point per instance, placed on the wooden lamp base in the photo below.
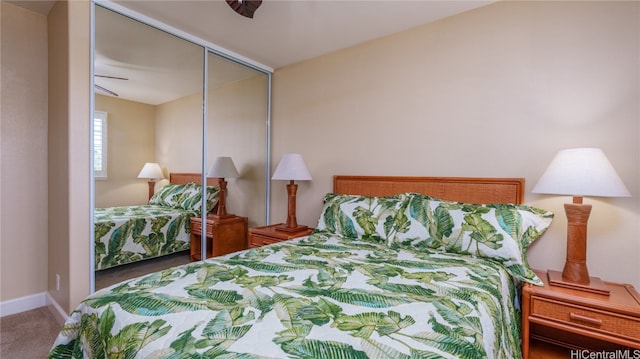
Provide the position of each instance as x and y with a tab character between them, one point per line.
292	224
595	285
152	187
283	227
575	274
222	201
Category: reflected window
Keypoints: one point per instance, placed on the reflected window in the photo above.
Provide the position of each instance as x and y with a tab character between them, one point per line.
100	144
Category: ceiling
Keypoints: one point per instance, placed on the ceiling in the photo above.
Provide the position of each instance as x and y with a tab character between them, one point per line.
151	66
281	33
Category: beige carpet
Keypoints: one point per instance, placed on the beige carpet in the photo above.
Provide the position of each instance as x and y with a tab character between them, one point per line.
28	335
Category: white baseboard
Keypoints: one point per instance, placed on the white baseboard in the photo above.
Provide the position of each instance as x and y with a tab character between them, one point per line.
23	304
57	311
19	305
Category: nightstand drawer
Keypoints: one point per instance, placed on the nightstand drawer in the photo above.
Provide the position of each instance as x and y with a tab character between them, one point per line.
258	241
196	226
578	316
578	319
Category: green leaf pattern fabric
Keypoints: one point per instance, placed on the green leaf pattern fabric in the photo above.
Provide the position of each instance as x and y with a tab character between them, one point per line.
321	296
363	217
500	232
133	233
186	196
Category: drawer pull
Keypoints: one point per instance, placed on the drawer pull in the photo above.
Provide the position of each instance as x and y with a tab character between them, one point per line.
584	319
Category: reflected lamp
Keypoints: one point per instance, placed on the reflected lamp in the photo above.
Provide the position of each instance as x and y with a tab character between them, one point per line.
291	168
579	172
222	168
151	171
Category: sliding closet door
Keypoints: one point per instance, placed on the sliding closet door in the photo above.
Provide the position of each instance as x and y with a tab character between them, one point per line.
149	87
171	101
237	114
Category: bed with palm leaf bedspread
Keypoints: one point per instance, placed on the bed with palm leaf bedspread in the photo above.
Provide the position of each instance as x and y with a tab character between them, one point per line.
129	234
403	276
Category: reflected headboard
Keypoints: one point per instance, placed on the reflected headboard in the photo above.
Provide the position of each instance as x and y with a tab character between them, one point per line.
182	178
459	189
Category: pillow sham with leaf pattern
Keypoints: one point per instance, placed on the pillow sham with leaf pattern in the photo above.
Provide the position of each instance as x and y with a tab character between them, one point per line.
186	196
362	217
501	232
169	195
192	197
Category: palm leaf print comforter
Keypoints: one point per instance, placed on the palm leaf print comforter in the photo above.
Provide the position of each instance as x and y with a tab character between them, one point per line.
129	234
320	296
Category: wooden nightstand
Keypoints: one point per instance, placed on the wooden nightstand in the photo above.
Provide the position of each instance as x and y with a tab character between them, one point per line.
260	236
224	235
580	320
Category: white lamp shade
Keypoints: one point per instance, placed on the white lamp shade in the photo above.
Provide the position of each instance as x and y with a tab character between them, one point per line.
151	170
291	167
581	172
223	167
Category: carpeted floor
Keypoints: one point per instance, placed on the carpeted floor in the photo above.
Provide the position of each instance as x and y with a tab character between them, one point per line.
28	335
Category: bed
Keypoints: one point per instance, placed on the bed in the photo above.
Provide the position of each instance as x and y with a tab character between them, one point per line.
129	234
390	271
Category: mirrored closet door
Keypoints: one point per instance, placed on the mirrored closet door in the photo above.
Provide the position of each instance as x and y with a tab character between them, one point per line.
150	108
236	117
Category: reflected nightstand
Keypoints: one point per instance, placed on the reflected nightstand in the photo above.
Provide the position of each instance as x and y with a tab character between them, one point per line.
224	235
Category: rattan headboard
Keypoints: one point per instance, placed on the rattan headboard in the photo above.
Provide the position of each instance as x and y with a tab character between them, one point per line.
461	189
182	178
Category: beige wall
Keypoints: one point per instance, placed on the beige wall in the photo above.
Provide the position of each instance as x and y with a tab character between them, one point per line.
23	143
80	115
130	143
234	129
492	92
179	134
69	163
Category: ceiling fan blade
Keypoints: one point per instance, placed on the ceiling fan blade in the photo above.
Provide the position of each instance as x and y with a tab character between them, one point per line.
100	88
111	77
245	8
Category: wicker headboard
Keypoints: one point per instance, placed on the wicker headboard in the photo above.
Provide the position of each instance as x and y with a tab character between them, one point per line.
182	178
460	189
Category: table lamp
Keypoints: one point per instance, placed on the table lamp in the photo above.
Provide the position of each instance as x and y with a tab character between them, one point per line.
222	168
579	172
151	171
291	168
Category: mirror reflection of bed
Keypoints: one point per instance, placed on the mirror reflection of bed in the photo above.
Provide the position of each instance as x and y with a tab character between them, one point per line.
135	240
140	114
161	121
